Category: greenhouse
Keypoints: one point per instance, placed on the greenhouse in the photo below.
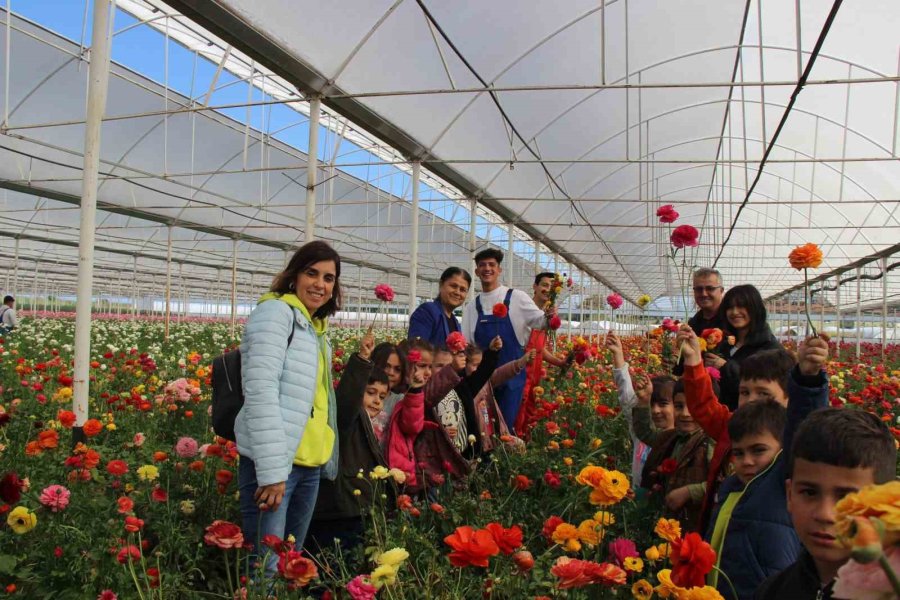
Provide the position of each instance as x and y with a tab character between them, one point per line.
687	198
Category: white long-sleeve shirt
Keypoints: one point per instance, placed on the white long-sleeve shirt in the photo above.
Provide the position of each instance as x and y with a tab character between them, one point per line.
628	400
523	313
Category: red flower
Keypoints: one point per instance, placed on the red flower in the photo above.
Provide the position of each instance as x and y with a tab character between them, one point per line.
692	559
129	553
500	310
573	573
552	479
555	322
125	505
508	540
223	478
413	357
117	467
296	568
92	427
550	526
685	235
159	494
278	545
11	488
133	524
224	535
404	502
437	508
471	547
384	292
456	342
66	418
668	466
614	300
524	560
667	214
522	483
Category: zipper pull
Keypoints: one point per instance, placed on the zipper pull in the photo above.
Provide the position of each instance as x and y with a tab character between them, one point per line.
312	413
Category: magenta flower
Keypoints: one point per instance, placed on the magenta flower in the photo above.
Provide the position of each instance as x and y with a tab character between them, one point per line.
614	300
667	214
714	373
621	549
384	292
55	497
360	588
186	447
685	235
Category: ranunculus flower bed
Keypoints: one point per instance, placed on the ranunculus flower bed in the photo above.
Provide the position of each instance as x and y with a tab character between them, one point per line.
149	498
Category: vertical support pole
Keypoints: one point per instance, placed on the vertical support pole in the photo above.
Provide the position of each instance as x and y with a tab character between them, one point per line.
312	165
168	283
822	303
15	285
569	326
510	256
183	312
359	302
234	258
473	228
837	309
414	241
884	295
134	288
537	257
858	310
98	79
6	64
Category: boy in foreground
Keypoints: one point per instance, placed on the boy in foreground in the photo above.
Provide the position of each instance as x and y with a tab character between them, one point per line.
836	451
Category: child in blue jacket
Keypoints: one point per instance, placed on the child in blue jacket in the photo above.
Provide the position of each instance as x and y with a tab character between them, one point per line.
751	529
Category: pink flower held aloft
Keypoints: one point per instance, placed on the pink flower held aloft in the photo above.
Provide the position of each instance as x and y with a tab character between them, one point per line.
384	292
685	235
186	447
667	214
360	588
614	300
55	497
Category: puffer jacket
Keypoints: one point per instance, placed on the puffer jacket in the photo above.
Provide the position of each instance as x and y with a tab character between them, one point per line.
759	538
279	387
730	379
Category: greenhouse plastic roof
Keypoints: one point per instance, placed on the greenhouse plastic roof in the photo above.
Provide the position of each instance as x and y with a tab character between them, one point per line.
575	124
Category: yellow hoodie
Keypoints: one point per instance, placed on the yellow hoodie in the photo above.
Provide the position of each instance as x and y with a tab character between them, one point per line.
317	442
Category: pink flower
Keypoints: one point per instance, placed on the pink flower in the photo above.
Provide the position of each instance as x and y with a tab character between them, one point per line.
621	549
384	292
413	357
360	588
186	447
456	342
139	439
866	582
666	214
669	325
714	373
614	300
55	497
107	595
685	235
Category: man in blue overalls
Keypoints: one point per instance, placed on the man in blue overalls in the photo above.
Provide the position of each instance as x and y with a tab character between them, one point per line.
480	325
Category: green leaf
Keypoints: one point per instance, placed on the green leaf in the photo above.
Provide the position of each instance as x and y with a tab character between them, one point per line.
8	564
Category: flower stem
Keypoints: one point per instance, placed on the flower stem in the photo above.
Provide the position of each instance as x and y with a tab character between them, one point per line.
806	303
891	575
721	573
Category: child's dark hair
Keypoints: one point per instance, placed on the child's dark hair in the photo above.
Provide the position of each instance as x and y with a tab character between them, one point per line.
378	376
380	355
473	350
755	418
769	365
406	346
489	253
846	437
679	387
441	348
662	383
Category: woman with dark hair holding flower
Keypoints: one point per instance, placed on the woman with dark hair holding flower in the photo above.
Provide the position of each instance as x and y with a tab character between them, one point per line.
744	314
433	321
286	431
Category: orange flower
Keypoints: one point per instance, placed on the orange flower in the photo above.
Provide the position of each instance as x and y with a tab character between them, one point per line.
296	568
471	547
807	256
567	536
66	418
159	456
668	529
92	427
573	573
48	439
33	448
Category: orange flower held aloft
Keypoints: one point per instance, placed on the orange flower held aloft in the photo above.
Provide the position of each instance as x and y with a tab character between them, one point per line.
807	256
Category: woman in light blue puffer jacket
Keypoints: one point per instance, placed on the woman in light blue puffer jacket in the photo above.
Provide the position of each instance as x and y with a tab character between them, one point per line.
286	431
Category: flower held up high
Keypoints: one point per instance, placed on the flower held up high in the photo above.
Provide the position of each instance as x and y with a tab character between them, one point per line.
384	292
667	214
614	300
685	235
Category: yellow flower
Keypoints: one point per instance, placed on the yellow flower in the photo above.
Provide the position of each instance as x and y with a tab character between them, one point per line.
379	472
633	564
398	475
668	529
666	588
357	493
652	553
21	520
596	443
187	507
110	426
644	300
383	575
611	490
538	390
703	344
604	518
654	360
392	557
642	590
590	532
568	461
665	550
566	535
148	473
700	593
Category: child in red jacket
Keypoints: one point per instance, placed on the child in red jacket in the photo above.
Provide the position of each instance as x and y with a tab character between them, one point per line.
408	417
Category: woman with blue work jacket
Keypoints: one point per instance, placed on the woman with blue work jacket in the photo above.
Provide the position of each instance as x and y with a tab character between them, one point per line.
286	431
433	321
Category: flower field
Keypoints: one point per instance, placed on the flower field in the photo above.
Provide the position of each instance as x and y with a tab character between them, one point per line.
145	509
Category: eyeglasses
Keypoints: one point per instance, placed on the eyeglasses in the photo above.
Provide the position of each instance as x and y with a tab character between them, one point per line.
709	289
